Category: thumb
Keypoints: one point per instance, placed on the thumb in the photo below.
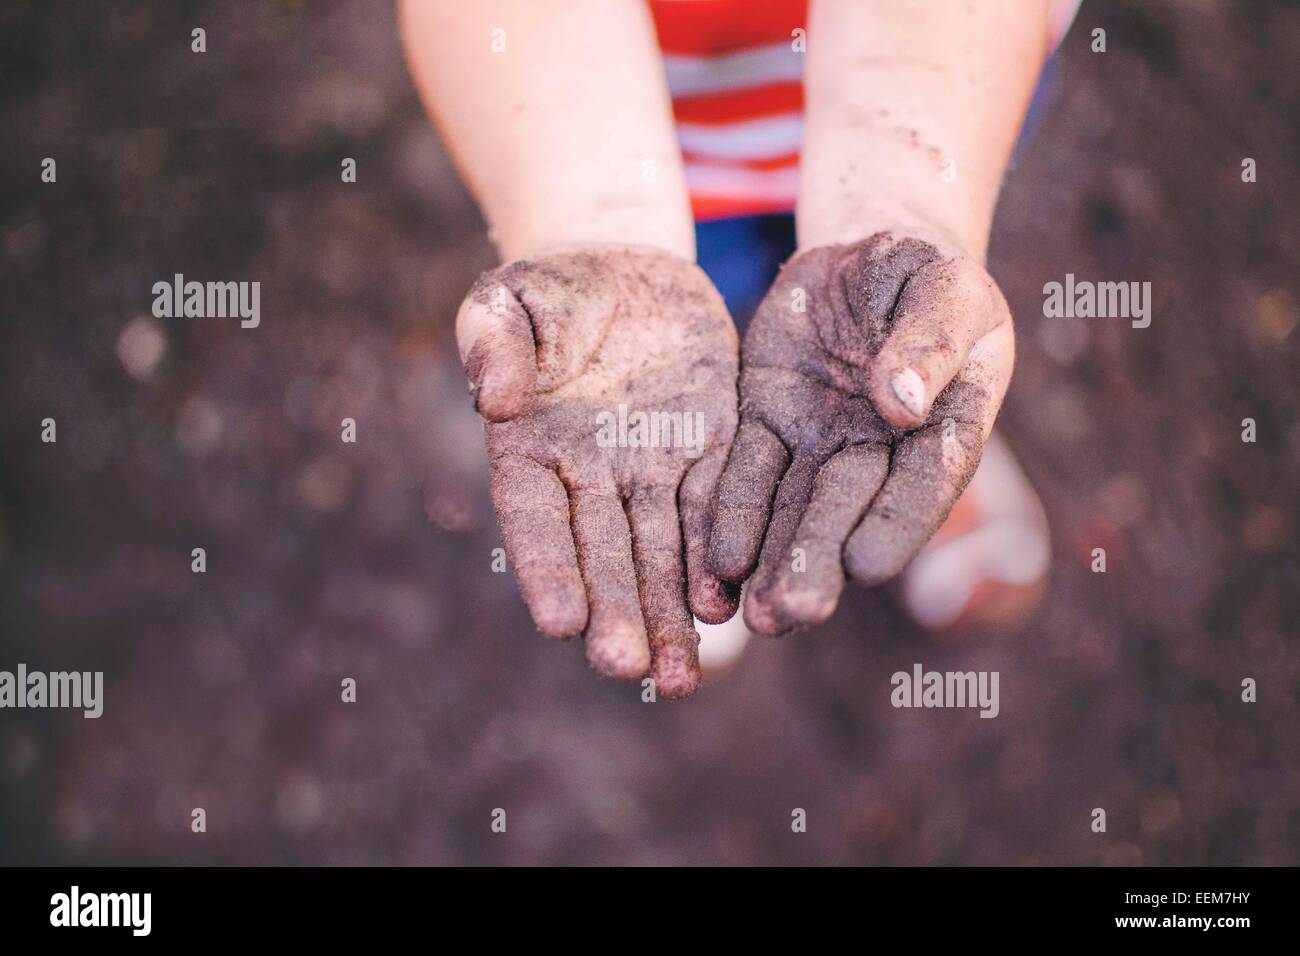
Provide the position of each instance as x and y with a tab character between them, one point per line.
495	337
944	309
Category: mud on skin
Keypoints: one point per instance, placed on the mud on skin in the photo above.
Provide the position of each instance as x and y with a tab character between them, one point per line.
607	542
815	466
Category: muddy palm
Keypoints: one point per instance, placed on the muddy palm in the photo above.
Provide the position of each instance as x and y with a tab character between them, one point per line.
871	375
606	526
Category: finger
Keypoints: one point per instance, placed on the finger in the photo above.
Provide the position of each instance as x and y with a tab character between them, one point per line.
944	309
661	580
533	509
712	599
875	272
806	583
744	501
931	467
615	636
927	473
495	337
787	510
983	383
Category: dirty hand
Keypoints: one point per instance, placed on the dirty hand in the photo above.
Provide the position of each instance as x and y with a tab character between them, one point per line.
872	373
607	376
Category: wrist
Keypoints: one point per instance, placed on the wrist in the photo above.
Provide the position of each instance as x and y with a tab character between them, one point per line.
541	228
860	221
852	219
899	192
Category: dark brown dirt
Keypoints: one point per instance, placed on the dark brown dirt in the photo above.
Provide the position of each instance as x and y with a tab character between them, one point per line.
373	560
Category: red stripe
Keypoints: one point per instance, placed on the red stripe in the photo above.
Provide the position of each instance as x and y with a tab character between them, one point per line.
722	207
715	26
755	102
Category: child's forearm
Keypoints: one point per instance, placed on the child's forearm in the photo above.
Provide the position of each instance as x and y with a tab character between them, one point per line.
912	112
557	115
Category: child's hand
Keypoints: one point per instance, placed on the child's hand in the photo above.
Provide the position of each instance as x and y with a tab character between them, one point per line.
593	525
872	375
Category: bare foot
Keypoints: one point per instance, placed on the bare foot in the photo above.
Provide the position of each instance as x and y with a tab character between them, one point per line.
988	562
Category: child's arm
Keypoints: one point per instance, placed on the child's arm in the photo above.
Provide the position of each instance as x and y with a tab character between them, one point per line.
876	365
566	139
565	135
898	94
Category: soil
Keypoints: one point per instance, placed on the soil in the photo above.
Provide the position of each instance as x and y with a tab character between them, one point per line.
373	561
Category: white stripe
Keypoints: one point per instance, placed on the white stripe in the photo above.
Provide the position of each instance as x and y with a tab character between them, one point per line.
691	75
767	138
704	179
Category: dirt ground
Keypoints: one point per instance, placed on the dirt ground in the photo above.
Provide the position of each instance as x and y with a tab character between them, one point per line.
372	560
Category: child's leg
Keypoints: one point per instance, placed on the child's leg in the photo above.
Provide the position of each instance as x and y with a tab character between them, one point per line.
988	563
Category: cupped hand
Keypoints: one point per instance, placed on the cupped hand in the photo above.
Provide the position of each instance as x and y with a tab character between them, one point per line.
870	379
606	514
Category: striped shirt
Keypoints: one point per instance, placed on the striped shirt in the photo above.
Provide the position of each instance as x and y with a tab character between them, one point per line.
735	72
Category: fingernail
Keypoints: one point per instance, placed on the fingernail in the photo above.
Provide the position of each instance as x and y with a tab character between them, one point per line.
910	390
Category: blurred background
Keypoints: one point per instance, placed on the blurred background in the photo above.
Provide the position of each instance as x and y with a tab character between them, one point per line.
372	560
